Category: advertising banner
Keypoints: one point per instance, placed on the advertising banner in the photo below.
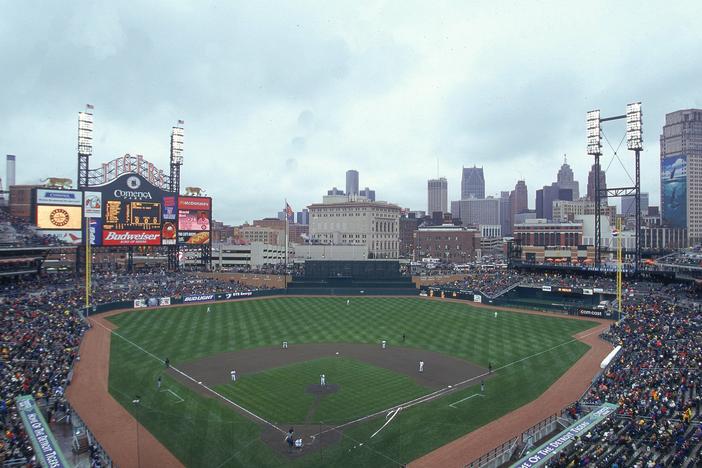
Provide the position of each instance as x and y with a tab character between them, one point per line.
587	292
193	220
194	238
131	238
139	303
546	288
46	449
674	191
477	298
59	197
169	208
59	217
597	290
168	233
92	205
164	301
199	298
194	203
95	231
540	455
68	237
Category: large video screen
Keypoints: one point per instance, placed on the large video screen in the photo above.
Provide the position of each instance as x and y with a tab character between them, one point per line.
674	190
194	220
59	217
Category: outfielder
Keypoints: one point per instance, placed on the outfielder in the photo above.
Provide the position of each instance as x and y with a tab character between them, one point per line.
322	380
233	375
421	366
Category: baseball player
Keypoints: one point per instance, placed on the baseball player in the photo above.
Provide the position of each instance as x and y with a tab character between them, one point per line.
322	380
495	314
233	375
421	366
158	383
285	345
383	344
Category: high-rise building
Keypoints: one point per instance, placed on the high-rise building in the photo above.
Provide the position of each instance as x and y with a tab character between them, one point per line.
472	183
547	195
629	204
520	197
591	182
506	213
335	192
351	182
368	193
566	180
477	211
303	217
437	195
681	170
10	171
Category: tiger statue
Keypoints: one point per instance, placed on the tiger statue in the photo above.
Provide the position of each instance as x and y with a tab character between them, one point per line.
58	182
194	191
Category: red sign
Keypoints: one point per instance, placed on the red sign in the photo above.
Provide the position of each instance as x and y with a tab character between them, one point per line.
194	203
131	238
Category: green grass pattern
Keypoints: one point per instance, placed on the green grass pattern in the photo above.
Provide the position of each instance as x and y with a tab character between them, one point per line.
204	432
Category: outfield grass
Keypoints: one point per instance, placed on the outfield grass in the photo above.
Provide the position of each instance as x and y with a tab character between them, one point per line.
204	432
279	394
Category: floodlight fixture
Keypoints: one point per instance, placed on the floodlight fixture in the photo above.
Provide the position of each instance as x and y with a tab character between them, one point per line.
177	135
634	126
85	131
594	138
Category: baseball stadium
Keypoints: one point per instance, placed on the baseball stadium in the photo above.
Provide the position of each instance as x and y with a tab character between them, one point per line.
122	346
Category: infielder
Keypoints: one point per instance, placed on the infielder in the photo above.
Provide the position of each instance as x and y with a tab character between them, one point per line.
496	314
348	301
285	345
383	344
233	375
322	380
208	309
421	366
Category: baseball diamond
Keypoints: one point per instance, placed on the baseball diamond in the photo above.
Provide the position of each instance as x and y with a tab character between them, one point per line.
243	423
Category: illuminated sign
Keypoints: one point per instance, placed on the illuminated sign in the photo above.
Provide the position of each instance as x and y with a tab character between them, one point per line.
128	237
194	203
92	205
193	220
194	238
59	197
132	215
59	217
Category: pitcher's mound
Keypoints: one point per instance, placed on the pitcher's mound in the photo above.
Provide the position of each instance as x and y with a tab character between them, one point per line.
321	390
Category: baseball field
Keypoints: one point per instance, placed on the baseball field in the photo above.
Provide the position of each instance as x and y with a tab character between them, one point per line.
206	419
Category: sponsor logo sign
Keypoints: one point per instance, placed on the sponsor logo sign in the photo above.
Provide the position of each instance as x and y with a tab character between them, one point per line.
564	290
199	298
139	303
59	217
194	238
594	312
169	208
597	290
587	292
92	205
164	301
168	233
477	298
131	238
46	449
546	288
540	455
95	231
194	203
234	294
59	197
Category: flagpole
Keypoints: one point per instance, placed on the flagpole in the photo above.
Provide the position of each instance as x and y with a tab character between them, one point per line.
287	220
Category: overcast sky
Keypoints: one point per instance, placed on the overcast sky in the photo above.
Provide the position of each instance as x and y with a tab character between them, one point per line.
281	98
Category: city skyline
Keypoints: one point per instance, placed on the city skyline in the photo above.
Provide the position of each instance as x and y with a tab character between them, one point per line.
280	107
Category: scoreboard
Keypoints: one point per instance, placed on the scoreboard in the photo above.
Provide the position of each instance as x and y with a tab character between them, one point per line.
132	215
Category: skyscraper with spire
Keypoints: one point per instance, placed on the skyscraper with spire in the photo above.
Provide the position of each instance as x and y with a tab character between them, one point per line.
566	180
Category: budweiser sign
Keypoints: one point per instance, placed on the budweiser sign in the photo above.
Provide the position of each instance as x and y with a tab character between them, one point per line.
131	238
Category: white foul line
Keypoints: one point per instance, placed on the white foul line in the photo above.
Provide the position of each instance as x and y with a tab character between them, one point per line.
466	398
387	422
174	394
193	380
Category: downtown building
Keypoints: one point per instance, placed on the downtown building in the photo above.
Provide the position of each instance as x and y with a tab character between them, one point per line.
449	243
472	183
437	195
681	172
373	225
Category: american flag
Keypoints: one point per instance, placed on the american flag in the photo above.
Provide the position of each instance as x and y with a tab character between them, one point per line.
89	106
288	210
181	122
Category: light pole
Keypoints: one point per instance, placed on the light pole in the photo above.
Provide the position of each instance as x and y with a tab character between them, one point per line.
136	401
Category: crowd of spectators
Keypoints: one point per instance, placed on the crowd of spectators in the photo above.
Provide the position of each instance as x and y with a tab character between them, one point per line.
656	383
16	232
691	257
40	332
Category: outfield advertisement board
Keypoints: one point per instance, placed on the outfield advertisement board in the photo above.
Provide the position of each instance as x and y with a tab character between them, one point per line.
66	218
216	297
46	448
67	237
92	205
128	237
59	197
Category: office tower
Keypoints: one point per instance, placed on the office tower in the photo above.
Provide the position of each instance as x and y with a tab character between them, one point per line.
10	175
681	166
303	217
629	204
472	183
477	211
437	195
351	182
547	195
506	213
520	198
368	193
335	192
591	182
566	180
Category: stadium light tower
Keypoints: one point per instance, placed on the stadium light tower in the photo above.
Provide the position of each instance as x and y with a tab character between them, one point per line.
634	142
177	138
85	144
